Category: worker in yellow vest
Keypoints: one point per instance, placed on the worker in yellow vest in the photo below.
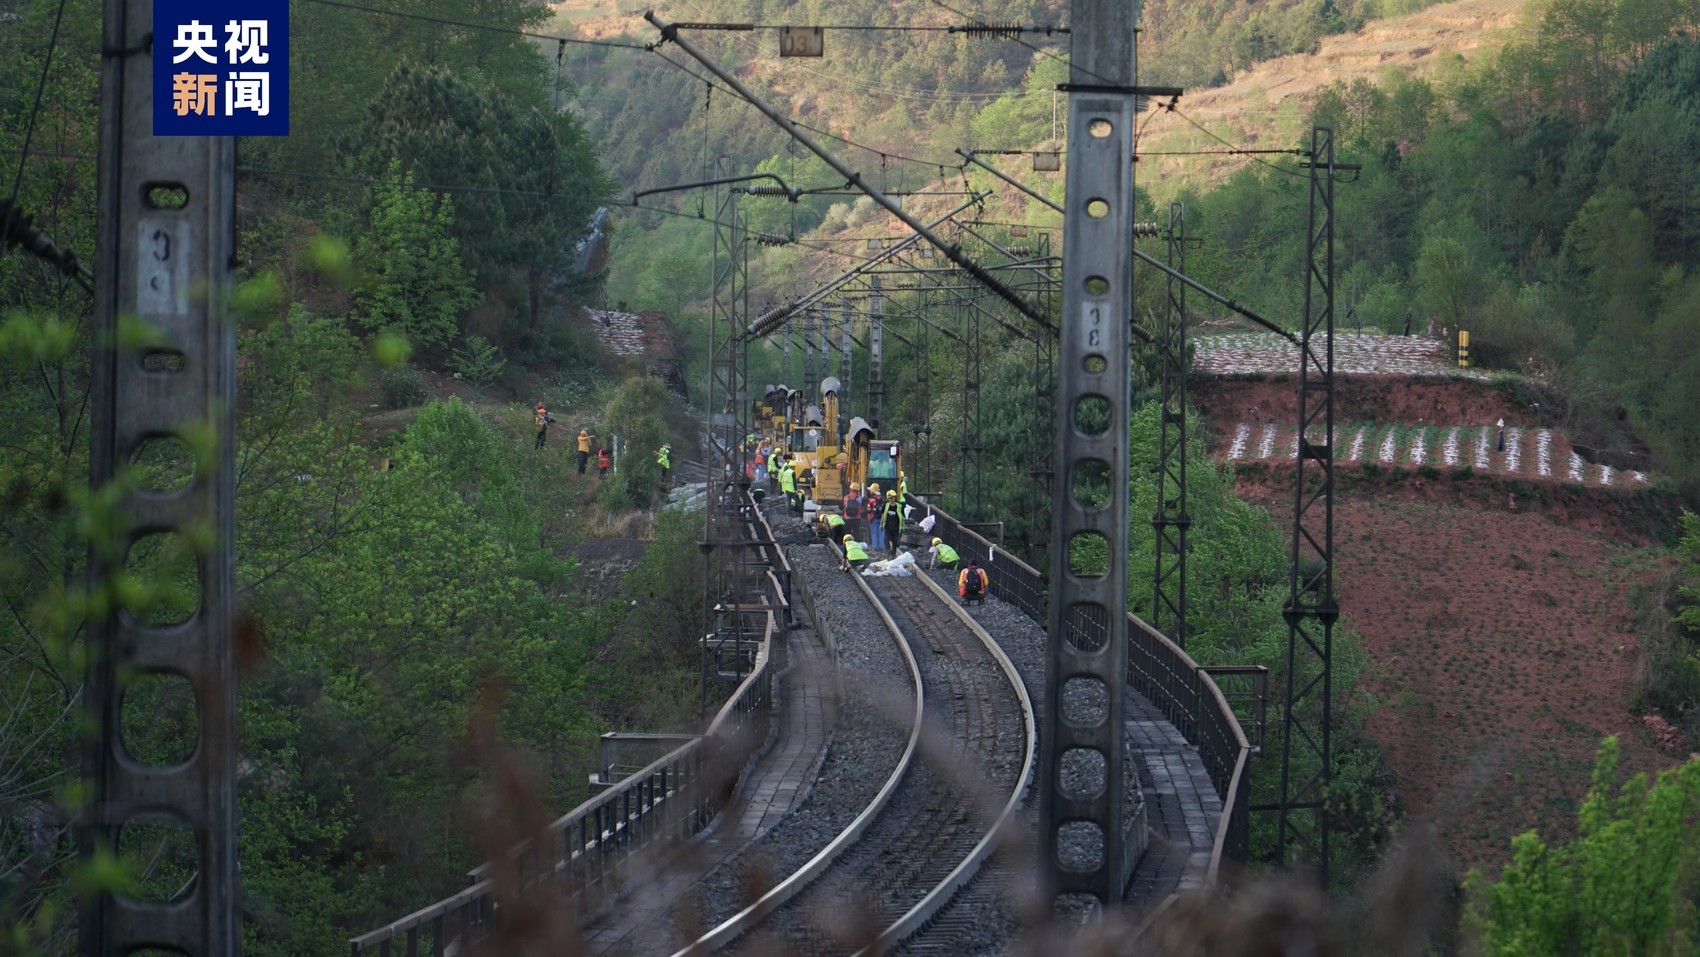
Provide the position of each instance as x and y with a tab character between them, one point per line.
891	516
788	485
942	554
855	555
664	458
871	506
583	449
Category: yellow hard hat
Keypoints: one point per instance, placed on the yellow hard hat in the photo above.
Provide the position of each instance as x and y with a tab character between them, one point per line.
873	486
849	537
938	541
891	494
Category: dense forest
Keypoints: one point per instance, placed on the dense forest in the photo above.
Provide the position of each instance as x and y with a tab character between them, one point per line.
404	559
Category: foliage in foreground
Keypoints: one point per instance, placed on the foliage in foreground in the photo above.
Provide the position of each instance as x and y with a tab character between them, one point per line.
1626	885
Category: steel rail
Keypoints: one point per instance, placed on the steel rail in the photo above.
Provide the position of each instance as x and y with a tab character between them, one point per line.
964	872
1024	587
749	917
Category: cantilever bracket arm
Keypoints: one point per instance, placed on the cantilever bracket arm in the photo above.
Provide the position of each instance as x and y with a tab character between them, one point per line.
670	33
1213	294
1145	258
789	191
968	155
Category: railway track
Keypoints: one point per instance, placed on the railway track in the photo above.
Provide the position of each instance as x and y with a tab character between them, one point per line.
938	816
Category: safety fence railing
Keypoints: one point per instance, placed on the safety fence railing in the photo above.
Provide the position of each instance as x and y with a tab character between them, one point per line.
1185	693
586	853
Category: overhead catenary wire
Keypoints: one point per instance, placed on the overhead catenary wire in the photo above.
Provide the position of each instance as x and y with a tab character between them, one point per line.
1236	149
903	93
876	151
470	25
10	214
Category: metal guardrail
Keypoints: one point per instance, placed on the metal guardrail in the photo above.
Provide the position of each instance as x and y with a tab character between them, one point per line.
586	852
1179	687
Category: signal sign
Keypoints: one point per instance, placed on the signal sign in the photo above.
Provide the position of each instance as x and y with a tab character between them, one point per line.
802	41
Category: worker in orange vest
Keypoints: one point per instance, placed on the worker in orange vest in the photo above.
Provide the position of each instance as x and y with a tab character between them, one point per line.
971	583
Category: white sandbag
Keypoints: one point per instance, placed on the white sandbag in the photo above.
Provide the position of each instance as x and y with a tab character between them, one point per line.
898	567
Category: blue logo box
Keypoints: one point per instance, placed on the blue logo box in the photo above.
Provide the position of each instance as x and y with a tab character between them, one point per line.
220	68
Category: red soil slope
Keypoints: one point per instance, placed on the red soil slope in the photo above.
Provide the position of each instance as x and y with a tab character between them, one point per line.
1495	608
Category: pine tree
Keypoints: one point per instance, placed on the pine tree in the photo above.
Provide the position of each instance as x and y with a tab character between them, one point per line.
415	283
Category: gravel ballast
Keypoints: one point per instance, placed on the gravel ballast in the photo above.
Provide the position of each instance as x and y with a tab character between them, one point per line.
983	917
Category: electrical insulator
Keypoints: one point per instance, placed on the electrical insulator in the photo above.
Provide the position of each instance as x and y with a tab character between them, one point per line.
1146	229
769	321
1002	31
765	189
772	239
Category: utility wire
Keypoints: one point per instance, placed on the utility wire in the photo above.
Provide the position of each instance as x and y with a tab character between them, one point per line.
11	214
904	93
492	28
1001	30
1236	149
1225	152
1040	51
931	164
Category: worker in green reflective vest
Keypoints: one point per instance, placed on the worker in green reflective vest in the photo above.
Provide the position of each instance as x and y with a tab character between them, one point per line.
855	555
942	554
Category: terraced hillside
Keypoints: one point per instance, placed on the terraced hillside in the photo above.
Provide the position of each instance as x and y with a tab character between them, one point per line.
1493	587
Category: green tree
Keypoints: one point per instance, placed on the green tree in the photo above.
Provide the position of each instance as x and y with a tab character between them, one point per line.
1448	278
636	415
416	285
1626	885
531	175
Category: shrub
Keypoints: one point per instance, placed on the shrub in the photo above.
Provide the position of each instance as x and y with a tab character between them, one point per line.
1625	885
402	386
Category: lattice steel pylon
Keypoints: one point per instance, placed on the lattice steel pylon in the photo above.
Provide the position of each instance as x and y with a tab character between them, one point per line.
728	393
164	249
811	376
788	362
1082	812
1039	469
1306	725
972	489
846	360
1168	584
876	352
728	410
921	420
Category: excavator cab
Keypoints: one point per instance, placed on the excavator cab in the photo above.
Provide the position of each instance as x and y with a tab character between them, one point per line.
871	459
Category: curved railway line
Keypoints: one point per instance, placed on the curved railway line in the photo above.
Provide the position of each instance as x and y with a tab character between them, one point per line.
923	773
959	784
